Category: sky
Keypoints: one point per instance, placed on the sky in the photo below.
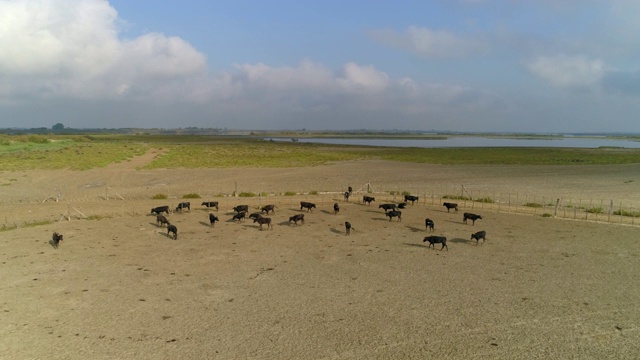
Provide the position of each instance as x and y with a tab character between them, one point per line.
541	66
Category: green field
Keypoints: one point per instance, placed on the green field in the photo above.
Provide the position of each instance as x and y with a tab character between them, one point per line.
202	151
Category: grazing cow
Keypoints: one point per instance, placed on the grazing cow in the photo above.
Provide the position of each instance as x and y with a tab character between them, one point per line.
213	219
436	240
239	216
411	198
428	223
450	206
394	213
336	208
307	205
183	205
160	209
348	227
473	217
296	218
268	208
255	215
368	199
387	207
241	208
350	190
479	235
346	195
402	205
172	229
161	220
262	221
55	240
211	204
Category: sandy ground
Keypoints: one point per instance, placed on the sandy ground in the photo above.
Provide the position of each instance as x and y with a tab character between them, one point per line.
119	288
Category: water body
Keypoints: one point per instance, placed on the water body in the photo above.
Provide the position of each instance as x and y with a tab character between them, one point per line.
476	141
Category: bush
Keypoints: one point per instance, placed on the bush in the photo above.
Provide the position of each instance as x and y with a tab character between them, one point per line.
533	205
290	193
627	213
456	197
159	197
546	215
595	210
247	194
313	192
191	196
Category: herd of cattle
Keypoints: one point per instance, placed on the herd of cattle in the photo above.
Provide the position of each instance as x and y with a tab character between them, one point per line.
391	211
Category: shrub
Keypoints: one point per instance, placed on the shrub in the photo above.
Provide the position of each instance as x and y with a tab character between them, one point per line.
595	210
290	193
159	197
313	192
456	197
37	223
406	193
533	205
627	213
7	228
546	215
247	194
191	196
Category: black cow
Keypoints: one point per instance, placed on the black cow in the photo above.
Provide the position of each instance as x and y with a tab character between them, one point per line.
436	240
255	215
161	220
411	198
211	204
428	223
183	205
239	216
394	213
402	205
479	235
241	208
268	208
368	199
213	219
336	208
172	229
56	239
348	227
262	221
450	206
473	217
160	209
387	207
346	195
307	205
296	218
349	190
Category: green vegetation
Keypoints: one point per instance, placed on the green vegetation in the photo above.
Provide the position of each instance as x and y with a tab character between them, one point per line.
313	192
8	227
247	194
627	213
80	152
456	197
191	196
595	210
533	205
547	215
36	223
290	193
486	200
160	197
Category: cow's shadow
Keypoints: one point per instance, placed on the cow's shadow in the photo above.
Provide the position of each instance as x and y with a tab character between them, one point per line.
460	241
53	244
414	229
339	231
208	224
417	245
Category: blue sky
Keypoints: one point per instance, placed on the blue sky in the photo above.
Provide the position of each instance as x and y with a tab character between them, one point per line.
447	65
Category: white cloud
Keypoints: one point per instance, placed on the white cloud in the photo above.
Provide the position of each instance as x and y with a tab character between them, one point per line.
568	71
70	48
431	43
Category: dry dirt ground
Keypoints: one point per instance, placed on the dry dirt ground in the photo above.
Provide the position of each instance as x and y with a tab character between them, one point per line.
119	288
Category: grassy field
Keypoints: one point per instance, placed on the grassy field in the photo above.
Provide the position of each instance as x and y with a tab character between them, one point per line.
197	151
